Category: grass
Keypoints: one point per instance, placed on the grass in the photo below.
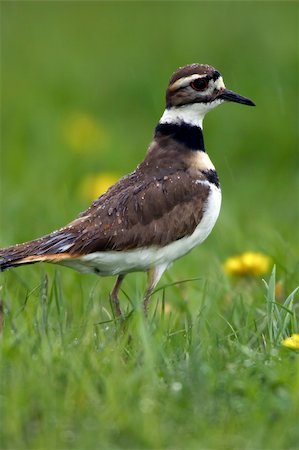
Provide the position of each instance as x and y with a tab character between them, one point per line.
211	377
208	370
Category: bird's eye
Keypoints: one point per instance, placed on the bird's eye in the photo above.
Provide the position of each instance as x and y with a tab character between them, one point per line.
200	84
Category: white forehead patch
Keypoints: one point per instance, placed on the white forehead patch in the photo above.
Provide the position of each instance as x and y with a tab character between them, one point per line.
219	84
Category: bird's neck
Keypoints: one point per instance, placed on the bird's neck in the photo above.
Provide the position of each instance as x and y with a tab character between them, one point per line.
184	125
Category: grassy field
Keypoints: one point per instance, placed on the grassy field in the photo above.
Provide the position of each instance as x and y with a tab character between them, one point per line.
82	87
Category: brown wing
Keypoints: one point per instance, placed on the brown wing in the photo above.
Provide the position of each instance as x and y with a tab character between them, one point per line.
140	211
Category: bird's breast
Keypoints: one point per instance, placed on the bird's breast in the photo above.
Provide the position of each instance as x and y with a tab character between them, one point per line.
200	160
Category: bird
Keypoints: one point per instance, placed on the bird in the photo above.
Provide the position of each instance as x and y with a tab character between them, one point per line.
159	212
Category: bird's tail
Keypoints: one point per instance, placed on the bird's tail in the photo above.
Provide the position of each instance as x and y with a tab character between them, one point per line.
50	248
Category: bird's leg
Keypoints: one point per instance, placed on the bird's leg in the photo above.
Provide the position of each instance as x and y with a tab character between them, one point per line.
114	296
153	276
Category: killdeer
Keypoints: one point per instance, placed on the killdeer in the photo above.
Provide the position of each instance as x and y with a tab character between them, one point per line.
159	212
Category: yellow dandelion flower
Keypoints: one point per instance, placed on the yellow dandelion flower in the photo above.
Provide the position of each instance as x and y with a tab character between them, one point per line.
291	342
82	133
93	186
233	265
248	263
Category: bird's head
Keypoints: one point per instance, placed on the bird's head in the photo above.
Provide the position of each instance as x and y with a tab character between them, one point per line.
202	85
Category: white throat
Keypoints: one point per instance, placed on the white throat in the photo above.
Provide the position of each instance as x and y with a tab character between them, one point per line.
192	114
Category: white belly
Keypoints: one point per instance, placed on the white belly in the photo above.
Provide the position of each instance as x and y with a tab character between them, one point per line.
118	262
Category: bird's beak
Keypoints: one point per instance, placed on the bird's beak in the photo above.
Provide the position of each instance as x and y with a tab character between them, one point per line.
231	96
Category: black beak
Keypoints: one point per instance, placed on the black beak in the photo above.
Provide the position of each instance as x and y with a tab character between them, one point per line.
231	96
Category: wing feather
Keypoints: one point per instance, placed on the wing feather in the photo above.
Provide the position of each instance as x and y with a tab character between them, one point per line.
141	212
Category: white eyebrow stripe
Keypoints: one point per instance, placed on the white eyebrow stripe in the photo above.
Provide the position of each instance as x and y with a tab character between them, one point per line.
184	81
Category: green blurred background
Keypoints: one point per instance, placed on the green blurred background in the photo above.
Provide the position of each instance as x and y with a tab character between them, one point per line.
109	62
82	87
